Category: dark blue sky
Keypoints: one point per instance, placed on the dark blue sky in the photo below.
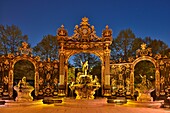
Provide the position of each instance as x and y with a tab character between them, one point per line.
37	18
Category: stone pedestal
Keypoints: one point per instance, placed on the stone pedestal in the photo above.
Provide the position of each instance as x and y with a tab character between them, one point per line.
144	97
85	91
85	102
86	87
24	93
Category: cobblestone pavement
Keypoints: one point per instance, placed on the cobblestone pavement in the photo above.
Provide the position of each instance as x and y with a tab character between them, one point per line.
108	108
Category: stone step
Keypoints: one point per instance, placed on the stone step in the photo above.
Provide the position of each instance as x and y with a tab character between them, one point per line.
85	102
16	103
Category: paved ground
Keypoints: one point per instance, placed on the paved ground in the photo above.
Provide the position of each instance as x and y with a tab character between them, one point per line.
108	108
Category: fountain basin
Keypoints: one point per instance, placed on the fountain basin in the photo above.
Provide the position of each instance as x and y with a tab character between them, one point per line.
85	102
24	93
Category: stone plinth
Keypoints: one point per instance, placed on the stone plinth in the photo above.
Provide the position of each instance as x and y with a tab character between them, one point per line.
24	93
85	102
144	97
86	91
86	87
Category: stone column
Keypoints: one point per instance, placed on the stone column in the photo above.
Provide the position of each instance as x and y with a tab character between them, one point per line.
107	67
61	72
132	82
107	88
66	79
157	76
102	77
36	82
10	83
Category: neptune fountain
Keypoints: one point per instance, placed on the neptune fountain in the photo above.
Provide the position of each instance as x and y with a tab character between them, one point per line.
85	86
144	89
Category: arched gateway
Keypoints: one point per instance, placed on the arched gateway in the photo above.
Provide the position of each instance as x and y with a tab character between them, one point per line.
85	40
126	70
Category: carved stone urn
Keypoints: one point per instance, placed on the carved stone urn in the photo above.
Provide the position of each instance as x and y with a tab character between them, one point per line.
24	90
86	87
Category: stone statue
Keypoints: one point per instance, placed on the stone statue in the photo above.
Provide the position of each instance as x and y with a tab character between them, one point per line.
22	82
78	77
96	80
114	85
6	81
144	80
84	67
144	89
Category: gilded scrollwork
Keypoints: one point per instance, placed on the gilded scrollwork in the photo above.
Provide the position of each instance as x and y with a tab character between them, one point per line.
24	49
83	33
10	55
158	56
41	81
107	33
130	59
6	80
48	77
55	81
62	32
144	51
6	65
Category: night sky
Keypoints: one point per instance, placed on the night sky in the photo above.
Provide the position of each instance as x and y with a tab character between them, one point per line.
37	18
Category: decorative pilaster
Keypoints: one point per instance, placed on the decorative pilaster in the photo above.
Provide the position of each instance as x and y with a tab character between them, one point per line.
66	75
62	71
10	85
132	82
107	67
157	76
36	83
107	37
107	86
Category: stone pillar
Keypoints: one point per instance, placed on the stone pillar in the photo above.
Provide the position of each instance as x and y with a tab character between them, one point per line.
132	82
10	83
102	77
66	79
107	87
36	83
62	88
61	72
107	67
157	76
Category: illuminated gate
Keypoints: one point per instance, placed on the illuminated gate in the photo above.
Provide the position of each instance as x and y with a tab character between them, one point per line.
50	77
84	40
45	76
126	70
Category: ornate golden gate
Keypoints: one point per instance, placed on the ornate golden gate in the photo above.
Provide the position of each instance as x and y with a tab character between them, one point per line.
127	68
51	76
45	77
84	40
